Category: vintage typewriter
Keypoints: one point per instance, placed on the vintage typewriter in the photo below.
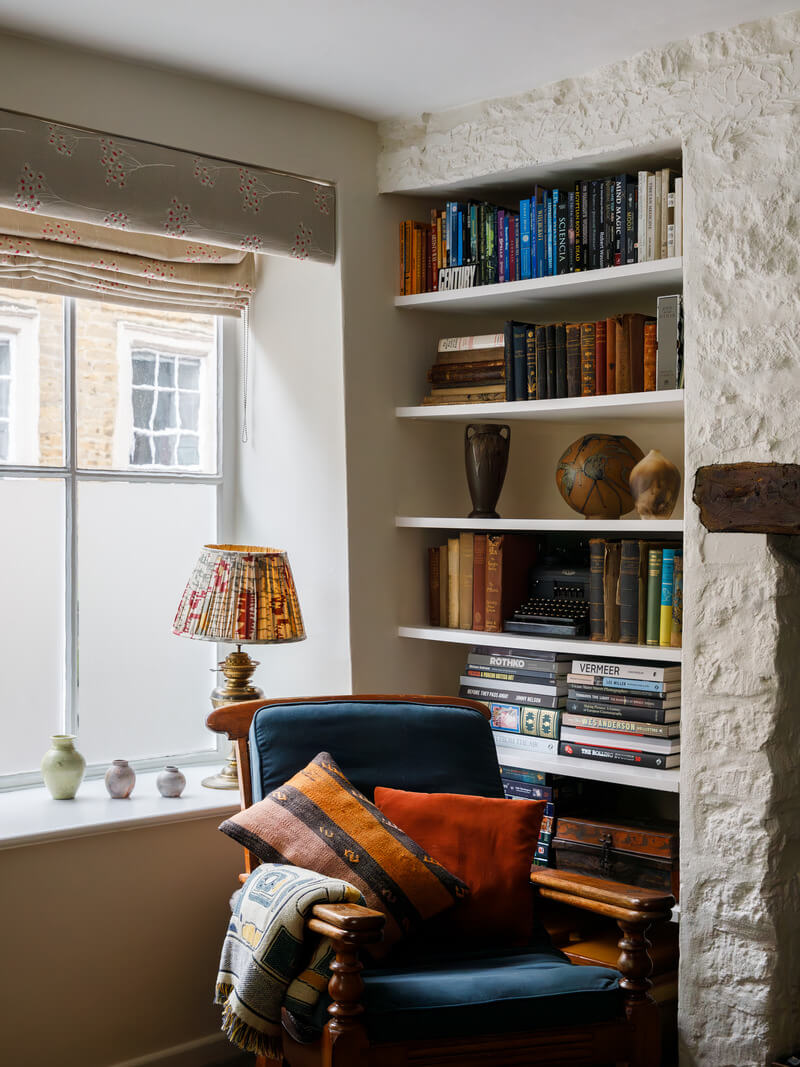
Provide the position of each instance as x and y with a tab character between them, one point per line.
557	604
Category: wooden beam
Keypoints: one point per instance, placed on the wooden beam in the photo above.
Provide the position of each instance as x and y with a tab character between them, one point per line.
749	497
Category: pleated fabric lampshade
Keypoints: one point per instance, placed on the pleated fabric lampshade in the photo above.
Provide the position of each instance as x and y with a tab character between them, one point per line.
240	593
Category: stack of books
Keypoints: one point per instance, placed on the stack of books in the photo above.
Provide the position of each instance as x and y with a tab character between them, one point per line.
468	370
623	712
636	592
555	789
594	223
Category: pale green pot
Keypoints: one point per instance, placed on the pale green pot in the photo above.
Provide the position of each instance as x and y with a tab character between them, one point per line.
63	767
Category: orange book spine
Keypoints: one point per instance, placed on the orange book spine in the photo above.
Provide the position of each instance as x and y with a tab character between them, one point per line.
611	356
479	583
649	356
600	358
494	583
587	359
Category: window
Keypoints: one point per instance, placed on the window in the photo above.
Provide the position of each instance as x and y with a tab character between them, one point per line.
106	500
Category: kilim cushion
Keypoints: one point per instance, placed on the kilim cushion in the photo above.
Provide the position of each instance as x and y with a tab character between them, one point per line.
489	843
320	821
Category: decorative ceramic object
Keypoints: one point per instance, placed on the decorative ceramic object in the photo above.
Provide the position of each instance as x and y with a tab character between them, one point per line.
655	484
120	779
486	454
171	782
63	767
593	475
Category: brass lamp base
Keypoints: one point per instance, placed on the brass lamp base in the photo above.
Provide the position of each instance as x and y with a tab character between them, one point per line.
238	668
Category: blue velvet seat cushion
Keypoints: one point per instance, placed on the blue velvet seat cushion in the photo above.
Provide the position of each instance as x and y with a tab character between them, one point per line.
402	744
469	993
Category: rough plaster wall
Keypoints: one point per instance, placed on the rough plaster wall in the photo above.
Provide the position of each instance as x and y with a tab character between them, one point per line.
732	98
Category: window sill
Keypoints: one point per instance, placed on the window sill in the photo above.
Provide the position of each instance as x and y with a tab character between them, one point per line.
31	816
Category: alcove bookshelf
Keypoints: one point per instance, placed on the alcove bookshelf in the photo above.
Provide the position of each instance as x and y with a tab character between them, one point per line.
434	493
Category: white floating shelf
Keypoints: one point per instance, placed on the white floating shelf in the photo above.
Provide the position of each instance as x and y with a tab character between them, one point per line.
640	527
577	645
655	279
660	406
595	770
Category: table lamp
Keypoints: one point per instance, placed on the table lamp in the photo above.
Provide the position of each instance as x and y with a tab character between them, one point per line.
246	595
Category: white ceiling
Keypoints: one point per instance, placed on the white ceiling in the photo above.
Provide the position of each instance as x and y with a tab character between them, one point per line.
376	58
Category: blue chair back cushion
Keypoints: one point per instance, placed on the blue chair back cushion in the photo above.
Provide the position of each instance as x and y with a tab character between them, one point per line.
402	744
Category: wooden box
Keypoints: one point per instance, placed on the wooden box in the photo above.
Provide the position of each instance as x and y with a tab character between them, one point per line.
643	853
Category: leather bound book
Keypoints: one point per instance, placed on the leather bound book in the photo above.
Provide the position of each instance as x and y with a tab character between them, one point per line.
597	625
624	381
508	359
573	331
520	361
452	583
611	356
676	638
649	356
561	360
542	392
442	585
479	582
530	358
587	359
552	390
490	372
465	561
636	350
509	558
611	564
629	593
434	587
600	358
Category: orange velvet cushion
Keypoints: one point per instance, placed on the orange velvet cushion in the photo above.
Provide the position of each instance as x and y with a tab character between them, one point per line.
486	842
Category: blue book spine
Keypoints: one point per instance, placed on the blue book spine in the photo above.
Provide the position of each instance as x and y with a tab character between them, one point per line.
548	222
506	248
667	576
554	247
525	239
502	243
540	238
636	684
460	230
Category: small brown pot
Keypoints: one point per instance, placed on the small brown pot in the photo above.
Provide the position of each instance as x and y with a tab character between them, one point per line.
486	454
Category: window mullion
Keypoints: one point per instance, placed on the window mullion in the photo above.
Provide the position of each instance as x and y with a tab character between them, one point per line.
71	714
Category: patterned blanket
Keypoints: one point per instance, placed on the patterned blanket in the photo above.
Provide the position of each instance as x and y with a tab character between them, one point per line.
267	963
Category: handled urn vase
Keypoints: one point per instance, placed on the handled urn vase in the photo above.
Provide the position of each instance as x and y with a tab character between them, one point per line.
486	453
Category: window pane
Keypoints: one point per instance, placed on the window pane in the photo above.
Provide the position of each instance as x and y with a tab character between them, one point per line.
118	351
165	448
143	692
32	620
5	396
188	451
165	411
3	440
190	410
32	356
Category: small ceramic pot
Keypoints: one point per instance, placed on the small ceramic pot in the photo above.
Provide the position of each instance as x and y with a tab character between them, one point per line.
486	455
655	483
171	782
120	779
593	475
63	767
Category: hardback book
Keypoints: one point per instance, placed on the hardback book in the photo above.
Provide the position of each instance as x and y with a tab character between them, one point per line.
611	355
486	691
522	774
578	263
520	360
561	359
659	714
676	636
508	743
443	586
630	353
678	216
541	856
611	563
452	582
466	544
497	391
622	726
656	236
519	719
597	626
666	746
665	613
600	357
434	587
646	672
632	685
632	757
653	595
550	334
525	653
508	561
620	698
669	343
491	372
641	218
472	395
520	663
533	683
573	331
530	360
630	220
667	187
629	592
464	356
650	355
561	235
542	390
479	582
587	359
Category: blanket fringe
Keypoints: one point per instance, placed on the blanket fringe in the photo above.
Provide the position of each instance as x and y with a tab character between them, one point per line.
241	1034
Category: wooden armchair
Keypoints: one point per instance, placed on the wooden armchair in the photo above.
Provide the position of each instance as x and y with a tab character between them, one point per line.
433	744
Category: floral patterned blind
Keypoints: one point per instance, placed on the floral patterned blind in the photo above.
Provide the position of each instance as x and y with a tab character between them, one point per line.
79	175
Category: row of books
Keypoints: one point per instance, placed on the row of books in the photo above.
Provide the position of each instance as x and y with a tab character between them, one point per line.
542	703
636	592
554	789
595	223
476	579
627	353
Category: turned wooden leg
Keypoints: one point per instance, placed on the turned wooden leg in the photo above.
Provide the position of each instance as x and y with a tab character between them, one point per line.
635	965
344	1042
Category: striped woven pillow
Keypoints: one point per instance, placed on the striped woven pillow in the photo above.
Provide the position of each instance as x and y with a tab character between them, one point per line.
320	821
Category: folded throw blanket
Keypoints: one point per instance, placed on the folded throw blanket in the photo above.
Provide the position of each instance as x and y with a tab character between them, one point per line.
267	961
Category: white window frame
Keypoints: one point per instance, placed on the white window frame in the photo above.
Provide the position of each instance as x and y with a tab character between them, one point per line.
21	329
171	342
227	338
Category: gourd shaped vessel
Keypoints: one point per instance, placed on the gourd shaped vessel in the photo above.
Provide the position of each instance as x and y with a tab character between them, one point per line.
63	767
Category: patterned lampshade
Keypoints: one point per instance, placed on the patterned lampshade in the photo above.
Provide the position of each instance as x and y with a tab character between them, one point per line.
240	593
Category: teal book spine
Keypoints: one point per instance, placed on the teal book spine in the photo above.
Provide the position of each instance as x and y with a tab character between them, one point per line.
667	575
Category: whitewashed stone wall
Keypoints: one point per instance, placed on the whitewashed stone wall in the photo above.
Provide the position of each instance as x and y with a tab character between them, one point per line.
732	99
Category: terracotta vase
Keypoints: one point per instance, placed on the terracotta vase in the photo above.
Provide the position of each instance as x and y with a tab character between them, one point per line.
120	779
655	484
63	767
486	453
593	475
